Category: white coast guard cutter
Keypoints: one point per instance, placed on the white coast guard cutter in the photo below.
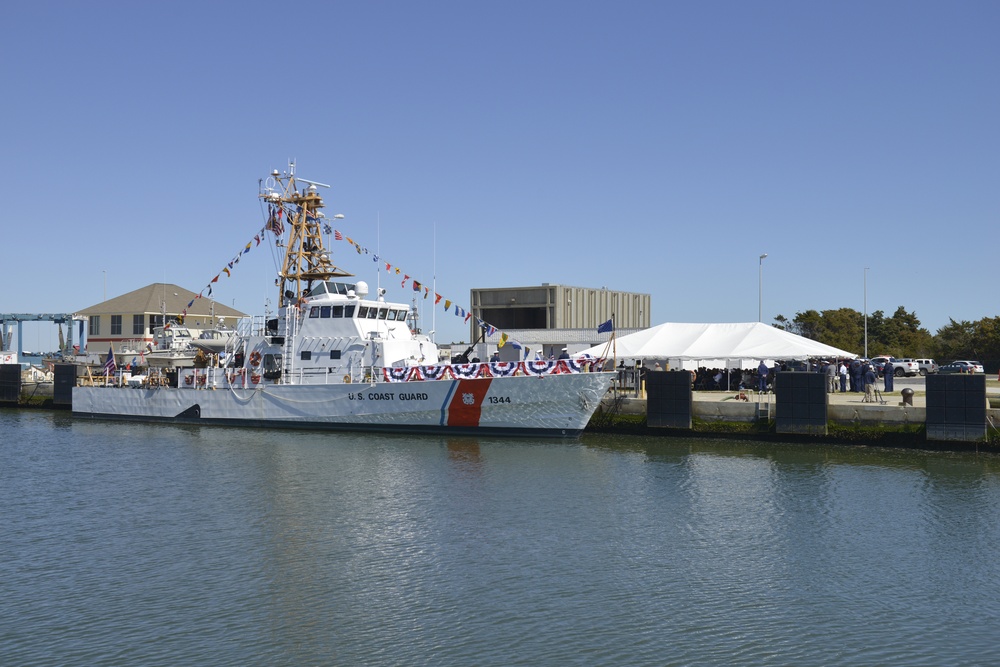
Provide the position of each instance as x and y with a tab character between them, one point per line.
336	359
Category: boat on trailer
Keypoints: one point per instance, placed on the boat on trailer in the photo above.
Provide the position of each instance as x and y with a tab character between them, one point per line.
337	357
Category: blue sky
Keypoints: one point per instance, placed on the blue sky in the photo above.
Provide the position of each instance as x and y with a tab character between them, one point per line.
655	147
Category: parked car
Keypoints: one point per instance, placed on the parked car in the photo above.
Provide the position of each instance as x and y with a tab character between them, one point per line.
962	367
927	366
972	366
900	367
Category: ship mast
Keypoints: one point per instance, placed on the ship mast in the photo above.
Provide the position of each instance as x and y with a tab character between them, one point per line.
305	260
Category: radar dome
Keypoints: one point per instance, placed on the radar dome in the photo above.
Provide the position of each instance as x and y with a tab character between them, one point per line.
361	289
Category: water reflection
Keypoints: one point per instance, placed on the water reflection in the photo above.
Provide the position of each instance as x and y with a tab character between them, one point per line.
368	549
465	451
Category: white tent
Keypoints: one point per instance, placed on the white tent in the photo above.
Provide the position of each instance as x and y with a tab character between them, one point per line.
730	341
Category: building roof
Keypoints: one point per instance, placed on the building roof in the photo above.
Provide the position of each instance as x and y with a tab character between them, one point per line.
162	297
546	286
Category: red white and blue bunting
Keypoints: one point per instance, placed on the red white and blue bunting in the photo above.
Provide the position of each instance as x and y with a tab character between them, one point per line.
491	369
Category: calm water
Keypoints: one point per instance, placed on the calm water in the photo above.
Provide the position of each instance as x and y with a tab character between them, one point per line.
158	545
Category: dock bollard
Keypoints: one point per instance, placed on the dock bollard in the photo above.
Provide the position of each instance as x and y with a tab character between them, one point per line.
907	396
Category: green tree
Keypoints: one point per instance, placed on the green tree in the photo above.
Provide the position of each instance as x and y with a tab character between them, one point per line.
954	341
843	328
904	337
988	333
876	334
808	324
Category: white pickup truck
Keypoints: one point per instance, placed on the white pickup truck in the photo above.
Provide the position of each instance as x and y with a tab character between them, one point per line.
900	367
927	366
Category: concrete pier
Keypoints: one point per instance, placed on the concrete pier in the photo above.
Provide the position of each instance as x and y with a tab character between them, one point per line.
847	408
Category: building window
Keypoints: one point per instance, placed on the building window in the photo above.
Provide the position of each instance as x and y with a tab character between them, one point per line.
138	325
94	326
155	321
116	325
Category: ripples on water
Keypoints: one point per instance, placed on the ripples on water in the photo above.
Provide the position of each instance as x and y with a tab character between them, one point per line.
158	545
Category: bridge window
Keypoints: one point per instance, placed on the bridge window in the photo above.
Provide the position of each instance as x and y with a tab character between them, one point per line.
314	311
324	312
335	354
348	311
338	311
306	355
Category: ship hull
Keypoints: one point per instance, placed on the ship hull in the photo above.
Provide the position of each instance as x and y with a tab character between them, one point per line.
552	406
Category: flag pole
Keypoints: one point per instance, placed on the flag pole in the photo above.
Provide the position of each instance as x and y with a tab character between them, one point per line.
614	339
610	324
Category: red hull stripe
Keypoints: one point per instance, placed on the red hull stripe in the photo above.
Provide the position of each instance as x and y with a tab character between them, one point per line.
466	405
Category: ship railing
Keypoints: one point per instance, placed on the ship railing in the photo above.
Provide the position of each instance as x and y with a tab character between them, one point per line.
251	326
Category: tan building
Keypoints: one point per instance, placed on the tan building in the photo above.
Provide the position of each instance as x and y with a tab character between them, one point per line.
549	317
557	307
133	316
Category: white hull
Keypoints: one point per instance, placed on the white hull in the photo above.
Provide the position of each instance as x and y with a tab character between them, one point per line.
551	405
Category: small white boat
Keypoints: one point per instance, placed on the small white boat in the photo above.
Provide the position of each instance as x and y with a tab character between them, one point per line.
36	381
171	347
214	341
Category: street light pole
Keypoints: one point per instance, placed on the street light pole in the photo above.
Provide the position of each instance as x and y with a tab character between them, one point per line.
760	285
866	312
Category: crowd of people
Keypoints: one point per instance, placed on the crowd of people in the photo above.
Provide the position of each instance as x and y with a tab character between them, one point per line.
852	375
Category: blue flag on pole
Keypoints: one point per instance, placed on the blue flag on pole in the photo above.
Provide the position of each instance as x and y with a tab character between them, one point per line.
606	327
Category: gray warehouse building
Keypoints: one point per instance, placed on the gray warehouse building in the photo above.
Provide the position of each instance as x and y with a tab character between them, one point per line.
554	315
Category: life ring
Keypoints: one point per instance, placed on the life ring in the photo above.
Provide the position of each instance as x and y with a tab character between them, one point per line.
255	378
188	379
255	358
347	379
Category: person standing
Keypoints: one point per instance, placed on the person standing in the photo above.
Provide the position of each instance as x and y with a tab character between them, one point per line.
888	373
762	376
869	380
843	377
831	377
